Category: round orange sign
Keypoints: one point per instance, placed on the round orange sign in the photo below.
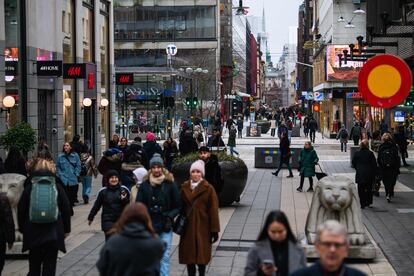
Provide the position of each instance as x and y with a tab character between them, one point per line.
384	81
316	108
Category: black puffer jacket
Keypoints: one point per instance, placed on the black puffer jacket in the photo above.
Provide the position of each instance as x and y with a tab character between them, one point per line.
365	165
213	173
132	252
109	198
150	148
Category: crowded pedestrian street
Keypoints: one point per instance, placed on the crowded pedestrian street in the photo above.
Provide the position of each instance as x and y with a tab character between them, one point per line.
388	225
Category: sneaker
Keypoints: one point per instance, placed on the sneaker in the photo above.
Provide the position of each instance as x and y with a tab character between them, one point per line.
388	199
290	176
299	189
310	190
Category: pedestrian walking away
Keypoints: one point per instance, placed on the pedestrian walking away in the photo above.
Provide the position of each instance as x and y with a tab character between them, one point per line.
389	164
365	165
15	162
212	168
161	196
232	140
68	170
240	126
203	225
313	127
401	141
356	134
134	248
276	251
88	170
112	199
285	154
332	247
7	235
343	138
150	148
43	214
307	161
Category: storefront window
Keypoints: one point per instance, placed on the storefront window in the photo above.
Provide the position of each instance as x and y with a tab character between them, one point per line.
68	17
104	46
87	24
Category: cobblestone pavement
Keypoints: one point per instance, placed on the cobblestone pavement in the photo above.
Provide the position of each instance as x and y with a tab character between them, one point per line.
390	225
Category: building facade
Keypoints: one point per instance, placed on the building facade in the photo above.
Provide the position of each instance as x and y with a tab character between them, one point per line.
78	34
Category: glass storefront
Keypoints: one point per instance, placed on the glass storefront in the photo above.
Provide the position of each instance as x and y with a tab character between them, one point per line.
87	23
104	52
165	23
68	17
364	112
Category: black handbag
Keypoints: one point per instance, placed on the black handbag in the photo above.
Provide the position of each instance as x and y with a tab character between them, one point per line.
180	224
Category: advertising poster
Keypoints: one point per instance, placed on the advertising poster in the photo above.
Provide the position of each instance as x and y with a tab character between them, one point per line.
345	72
253	129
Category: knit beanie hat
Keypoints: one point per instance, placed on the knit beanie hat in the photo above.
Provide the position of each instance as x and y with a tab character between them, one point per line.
156	160
111	173
199	166
150	136
140	173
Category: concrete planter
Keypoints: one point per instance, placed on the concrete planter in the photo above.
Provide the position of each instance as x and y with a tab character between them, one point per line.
264	125
234	174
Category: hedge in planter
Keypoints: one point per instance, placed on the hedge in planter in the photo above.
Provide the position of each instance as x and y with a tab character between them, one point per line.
233	171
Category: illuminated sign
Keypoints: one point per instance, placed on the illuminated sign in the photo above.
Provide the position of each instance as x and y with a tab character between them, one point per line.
91	80
124	79
49	68
354	95
74	71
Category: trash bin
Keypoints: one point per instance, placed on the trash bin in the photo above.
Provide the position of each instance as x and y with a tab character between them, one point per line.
268	157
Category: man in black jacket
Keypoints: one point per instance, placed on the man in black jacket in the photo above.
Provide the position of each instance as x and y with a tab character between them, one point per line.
212	167
332	246
161	196
7	230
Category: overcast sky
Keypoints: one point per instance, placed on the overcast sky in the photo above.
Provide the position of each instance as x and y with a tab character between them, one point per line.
280	14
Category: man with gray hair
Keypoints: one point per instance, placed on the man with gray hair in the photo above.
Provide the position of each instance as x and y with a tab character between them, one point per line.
332	246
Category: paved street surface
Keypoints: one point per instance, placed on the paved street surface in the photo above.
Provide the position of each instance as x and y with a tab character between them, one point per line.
389	224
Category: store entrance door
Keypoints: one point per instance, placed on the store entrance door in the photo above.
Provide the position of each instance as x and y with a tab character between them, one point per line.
45	113
90	127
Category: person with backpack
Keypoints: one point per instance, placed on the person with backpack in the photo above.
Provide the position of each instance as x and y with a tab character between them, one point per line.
43	214
112	199
313	127
343	138
68	170
7	235
88	169
356	133
161	196
389	164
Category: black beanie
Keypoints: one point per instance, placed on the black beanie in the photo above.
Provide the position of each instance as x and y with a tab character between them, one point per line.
112	173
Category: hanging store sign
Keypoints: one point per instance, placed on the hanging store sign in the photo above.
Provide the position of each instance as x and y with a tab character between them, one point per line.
124	79
10	68
353	95
385	81
49	68
171	50
318	96
74	70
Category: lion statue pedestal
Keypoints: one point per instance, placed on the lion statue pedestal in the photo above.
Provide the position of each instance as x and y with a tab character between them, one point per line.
336	198
13	185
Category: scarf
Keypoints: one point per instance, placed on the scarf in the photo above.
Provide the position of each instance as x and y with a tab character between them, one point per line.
156	181
195	184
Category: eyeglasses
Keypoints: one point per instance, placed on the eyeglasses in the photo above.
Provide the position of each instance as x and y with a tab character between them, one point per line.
336	245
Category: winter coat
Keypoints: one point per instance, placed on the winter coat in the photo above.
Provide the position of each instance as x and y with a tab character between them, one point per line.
125	151
273	124
355	132
18	167
307	161
215	141
395	169
282	129
240	124
132	252
76	147
213	173
340	134
313	125
188	145
6	221
262	250
89	162
150	148
163	201
170	152
109	198
232	138
195	244
284	148
316	270
127	176
401	141
365	165
68	168
35	235
111	160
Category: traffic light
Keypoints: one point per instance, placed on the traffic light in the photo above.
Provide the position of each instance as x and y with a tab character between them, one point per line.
191	102
316	107
195	102
169	102
188	101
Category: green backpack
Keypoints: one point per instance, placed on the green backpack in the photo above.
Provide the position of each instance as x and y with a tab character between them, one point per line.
43	200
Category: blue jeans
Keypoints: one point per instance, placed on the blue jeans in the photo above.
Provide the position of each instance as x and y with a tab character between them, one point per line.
232	151
166	237
86	186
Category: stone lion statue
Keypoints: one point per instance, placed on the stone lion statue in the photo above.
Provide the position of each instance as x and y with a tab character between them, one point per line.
13	185
336	198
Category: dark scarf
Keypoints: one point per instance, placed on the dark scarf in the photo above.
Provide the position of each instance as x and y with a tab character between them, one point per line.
280	252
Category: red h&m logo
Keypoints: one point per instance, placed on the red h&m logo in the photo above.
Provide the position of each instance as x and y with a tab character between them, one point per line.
91	80
125	79
74	71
